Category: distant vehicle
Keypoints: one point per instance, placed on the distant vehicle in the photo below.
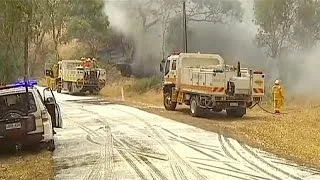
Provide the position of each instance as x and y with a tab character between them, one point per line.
124	68
75	76
204	81
26	118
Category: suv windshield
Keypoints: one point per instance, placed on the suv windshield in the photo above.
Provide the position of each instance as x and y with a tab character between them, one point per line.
16	102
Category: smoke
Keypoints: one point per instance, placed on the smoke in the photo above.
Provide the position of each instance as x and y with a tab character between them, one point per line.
234	42
124	17
118	18
297	69
301	72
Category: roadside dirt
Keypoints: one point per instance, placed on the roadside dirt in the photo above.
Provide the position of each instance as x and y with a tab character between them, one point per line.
293	136
29	165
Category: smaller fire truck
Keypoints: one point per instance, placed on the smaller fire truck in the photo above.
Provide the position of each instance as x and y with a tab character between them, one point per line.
76	76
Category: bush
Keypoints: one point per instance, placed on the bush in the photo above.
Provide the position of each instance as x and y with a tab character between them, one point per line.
145	84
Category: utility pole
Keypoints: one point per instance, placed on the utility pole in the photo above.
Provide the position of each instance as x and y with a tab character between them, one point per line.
26	54
26	40
26	51
185	36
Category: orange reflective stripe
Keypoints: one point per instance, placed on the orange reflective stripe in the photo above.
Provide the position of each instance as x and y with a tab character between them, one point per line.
221	89
258	90
203	88
170	79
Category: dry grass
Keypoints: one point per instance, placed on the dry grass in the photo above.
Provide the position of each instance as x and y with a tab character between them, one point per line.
71	50
294	136
28	166
113	92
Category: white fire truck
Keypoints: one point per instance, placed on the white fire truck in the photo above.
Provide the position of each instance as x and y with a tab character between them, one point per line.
204	81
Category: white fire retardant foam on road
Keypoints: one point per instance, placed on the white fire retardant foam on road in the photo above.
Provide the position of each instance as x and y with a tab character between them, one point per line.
108	141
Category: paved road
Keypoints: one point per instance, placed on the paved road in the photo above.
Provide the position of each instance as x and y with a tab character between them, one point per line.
101	140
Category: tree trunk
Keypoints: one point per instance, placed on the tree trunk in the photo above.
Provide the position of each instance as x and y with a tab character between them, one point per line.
38	45
56	50
26	51
55	43
54	36
33	64
5	60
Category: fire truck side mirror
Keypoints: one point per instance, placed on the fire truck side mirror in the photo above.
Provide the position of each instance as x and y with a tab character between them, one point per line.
162	65
238	69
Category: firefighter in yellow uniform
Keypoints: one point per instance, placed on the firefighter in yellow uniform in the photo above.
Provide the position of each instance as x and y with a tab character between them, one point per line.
278	96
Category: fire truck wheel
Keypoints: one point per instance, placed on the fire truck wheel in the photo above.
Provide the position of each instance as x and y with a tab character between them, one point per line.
195	109
168	104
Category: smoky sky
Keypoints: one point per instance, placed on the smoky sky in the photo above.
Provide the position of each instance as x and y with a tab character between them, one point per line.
233	41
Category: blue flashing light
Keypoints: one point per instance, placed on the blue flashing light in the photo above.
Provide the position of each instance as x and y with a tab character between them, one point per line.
29	83
21	83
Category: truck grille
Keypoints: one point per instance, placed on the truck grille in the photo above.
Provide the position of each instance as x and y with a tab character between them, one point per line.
256	99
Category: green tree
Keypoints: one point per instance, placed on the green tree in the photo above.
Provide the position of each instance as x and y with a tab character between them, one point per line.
275	19
29	21
88	24
286	24
58	11
14	18
307	28
41	27
287	27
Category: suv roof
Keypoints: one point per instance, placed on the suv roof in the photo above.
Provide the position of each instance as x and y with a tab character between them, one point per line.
15	90
19	84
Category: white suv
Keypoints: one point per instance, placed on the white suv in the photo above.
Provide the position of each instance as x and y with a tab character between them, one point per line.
27	120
